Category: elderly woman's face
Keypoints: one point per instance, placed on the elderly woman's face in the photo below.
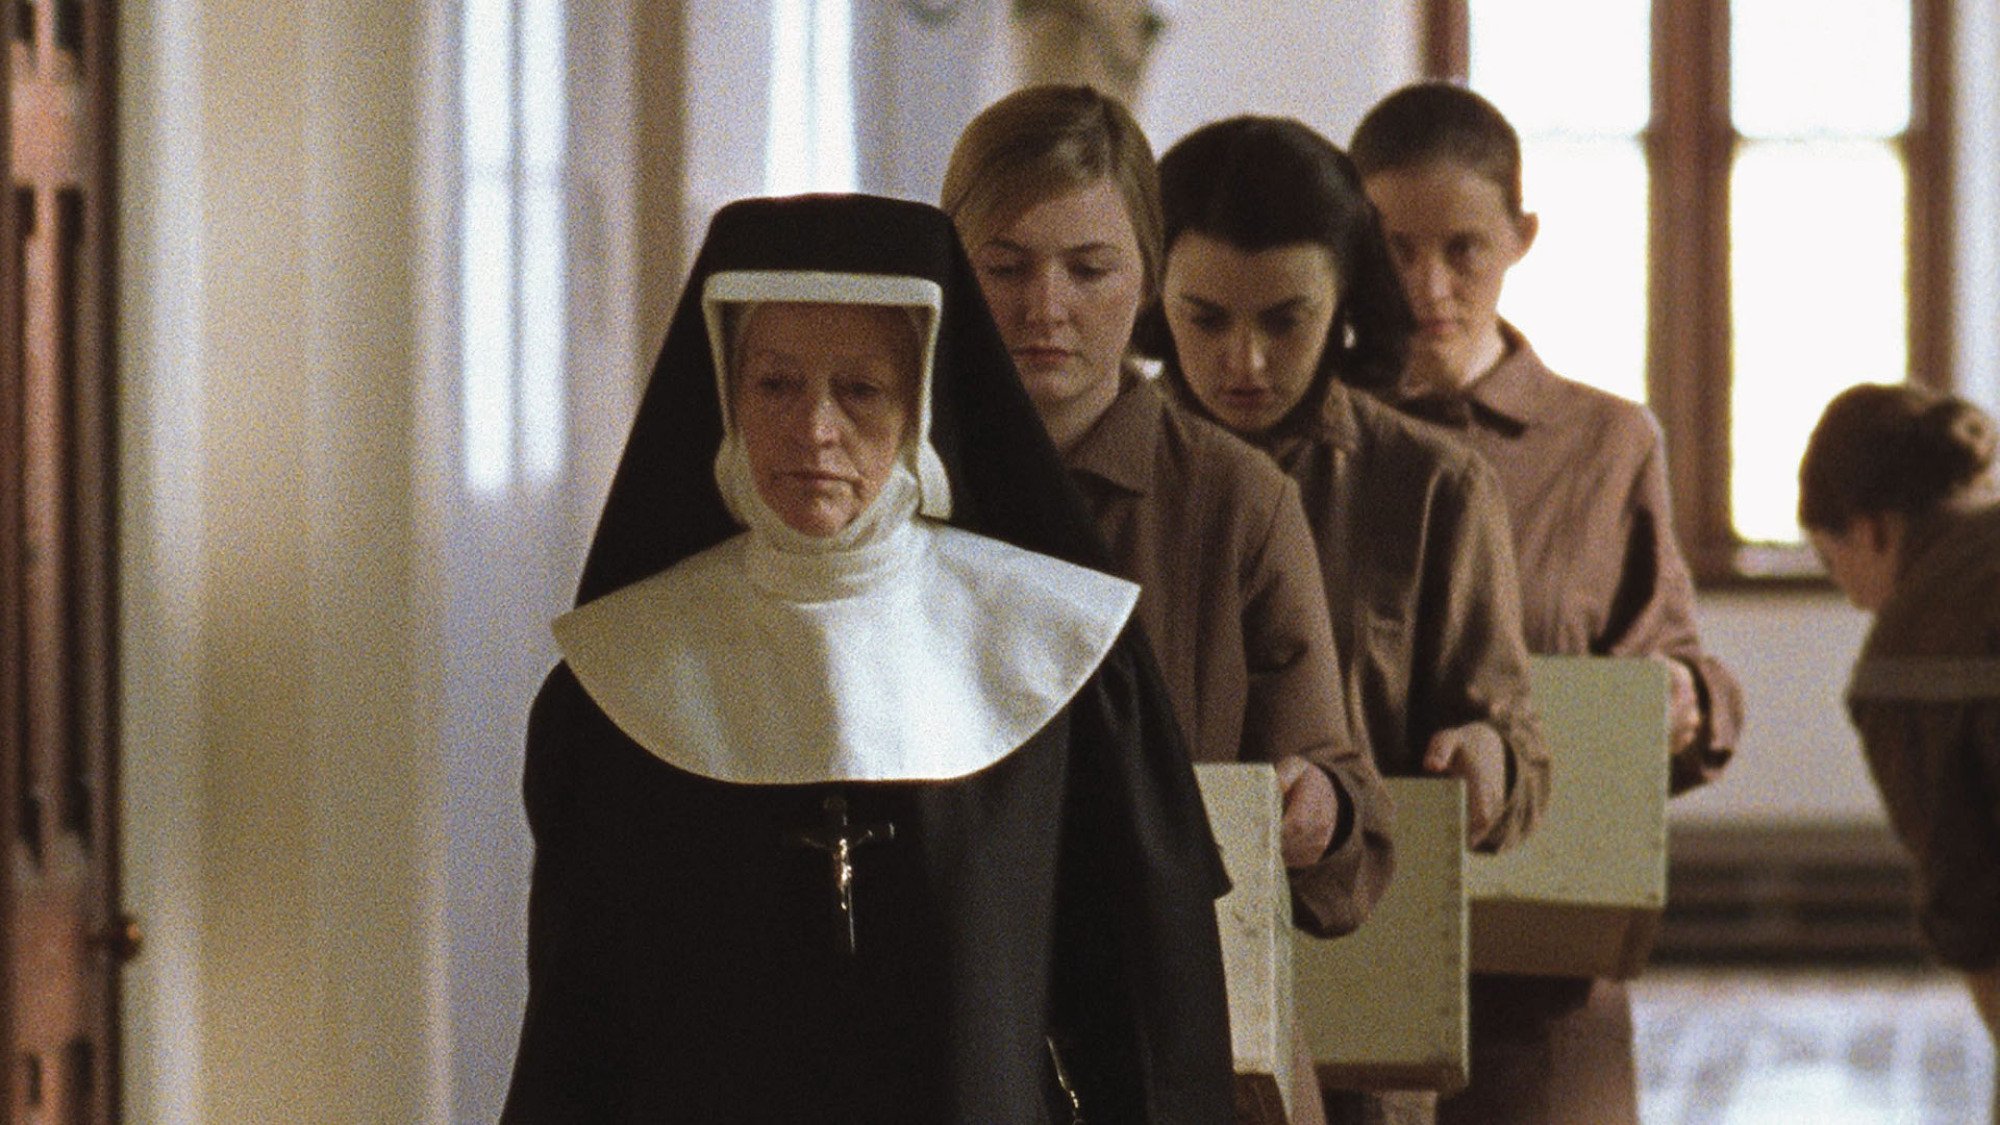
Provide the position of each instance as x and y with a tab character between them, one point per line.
823	395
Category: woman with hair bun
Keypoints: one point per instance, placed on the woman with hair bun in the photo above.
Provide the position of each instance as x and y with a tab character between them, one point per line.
1897	494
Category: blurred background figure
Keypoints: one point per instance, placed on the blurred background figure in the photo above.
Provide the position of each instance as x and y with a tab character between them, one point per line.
1897	494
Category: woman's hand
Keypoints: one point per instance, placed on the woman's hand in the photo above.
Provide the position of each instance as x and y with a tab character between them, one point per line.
1473	752
1312	811
1683	705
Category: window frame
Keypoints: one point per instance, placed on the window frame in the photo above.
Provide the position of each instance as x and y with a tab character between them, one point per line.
1690	146
526	438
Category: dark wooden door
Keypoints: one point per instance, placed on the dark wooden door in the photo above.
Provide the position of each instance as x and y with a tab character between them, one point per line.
62	937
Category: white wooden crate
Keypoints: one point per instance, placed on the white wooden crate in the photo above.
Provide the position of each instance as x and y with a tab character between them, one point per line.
1255	918
1582	896
1385	1006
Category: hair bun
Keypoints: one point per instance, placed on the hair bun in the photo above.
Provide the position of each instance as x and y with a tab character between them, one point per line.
1892	447
1960	440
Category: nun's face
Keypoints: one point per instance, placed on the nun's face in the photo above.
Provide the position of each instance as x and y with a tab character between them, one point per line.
823	396
1064	280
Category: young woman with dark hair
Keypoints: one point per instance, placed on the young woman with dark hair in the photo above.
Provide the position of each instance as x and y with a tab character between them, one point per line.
1897	494
1279	299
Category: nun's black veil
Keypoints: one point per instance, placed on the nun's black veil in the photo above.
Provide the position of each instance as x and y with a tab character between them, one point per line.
1007	481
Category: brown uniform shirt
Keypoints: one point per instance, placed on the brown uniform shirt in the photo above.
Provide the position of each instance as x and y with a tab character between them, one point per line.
1585	477
1926	700
1231	599
1419	574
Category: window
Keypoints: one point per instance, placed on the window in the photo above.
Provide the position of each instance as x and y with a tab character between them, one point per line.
1756	193
810	143
512	244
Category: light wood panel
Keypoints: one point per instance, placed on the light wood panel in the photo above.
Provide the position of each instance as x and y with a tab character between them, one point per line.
1255	919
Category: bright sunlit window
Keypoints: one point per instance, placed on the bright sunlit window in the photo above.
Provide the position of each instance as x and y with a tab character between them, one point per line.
1817	231
1777	145
810	143
1583	172
513	253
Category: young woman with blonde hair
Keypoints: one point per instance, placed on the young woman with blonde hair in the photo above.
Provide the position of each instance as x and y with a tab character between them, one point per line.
1055	193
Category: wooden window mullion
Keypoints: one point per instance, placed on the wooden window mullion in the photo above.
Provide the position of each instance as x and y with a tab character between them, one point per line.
1690	147
1929	167
59	898
1447	45
14	781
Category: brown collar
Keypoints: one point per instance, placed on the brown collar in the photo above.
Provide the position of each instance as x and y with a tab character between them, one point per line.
1334	423
1119	447
1512	396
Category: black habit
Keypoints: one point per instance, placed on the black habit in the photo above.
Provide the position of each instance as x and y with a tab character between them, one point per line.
686	955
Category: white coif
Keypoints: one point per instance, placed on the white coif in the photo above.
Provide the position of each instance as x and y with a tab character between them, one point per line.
927	655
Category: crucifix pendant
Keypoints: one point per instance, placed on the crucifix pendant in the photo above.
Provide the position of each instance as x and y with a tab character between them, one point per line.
838	839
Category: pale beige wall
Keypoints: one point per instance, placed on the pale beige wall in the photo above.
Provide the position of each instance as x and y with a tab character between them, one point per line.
329	645
1978	184
278	798
508	560
1800	761
1322	61
162	553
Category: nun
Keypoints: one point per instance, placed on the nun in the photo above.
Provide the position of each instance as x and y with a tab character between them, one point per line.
856	795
